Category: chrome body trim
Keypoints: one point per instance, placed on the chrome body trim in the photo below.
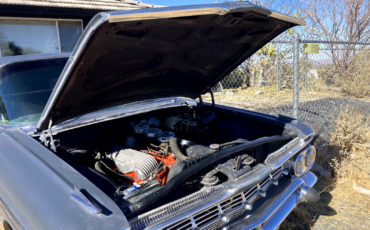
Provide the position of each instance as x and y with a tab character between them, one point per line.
157	215
230	210
229	206
167	13
187	11
281	214
284	201
13	219
282	155
287	18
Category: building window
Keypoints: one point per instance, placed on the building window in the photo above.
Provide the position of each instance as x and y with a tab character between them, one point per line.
69	33
38	36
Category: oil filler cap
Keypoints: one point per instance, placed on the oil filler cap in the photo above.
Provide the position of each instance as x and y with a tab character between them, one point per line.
214	147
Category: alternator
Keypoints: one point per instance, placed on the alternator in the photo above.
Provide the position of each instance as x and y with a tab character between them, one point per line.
130	160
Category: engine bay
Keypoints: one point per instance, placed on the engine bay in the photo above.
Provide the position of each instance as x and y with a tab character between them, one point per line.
156	158
148	152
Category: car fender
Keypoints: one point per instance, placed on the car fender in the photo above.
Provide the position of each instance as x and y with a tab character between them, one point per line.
35	186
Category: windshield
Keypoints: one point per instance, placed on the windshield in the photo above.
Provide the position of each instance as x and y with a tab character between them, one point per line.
25	88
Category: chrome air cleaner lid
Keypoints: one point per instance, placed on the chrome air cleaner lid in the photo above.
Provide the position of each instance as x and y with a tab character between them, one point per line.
165	136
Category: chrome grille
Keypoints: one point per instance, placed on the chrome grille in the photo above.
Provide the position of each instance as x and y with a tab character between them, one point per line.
184	224
232	207
265	183
206	215
250	193
167	211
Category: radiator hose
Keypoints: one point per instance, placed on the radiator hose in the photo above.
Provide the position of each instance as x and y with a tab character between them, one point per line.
176	149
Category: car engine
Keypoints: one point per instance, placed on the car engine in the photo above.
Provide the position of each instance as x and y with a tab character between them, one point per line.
151	152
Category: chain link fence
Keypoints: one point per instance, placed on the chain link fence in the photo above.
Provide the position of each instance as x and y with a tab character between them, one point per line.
309	80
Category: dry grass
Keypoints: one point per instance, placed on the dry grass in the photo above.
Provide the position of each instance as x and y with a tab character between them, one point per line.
348	158
272	93
247	98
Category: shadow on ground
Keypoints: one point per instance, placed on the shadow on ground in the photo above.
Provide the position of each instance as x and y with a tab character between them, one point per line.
305	215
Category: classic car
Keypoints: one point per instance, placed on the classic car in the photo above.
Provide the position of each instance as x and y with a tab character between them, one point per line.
116	135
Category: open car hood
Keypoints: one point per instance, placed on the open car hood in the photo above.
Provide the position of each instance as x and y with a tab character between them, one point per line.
129	56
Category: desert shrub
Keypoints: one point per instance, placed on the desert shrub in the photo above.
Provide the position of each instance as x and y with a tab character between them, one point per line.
352	127
352	137
356	80
349	156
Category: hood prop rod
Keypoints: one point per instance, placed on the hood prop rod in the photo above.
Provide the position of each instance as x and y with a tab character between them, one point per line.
213	99
44	137
201	100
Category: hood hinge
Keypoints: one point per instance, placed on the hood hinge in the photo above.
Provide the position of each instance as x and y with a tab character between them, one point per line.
44	137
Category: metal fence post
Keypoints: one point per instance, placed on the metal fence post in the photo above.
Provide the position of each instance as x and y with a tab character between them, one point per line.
305	71
247	78
254	78
278	70
296	76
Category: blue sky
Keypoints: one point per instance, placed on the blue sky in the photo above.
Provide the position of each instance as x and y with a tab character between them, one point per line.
176	2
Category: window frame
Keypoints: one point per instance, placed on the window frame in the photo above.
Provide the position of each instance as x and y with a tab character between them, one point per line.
56	21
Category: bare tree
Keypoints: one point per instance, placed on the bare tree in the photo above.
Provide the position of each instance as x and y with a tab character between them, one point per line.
346	20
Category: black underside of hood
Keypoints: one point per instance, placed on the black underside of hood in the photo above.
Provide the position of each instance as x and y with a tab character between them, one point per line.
130	61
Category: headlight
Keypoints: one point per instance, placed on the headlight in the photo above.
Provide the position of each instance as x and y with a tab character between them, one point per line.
304	160
310	157
300	164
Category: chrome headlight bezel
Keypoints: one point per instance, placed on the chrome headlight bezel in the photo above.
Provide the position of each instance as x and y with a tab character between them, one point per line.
304	160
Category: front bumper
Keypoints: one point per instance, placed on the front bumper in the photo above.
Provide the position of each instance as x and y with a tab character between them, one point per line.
272	213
